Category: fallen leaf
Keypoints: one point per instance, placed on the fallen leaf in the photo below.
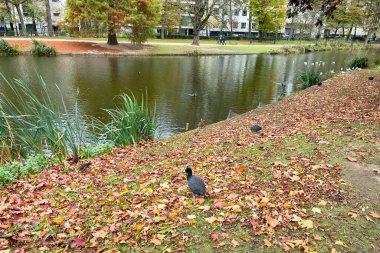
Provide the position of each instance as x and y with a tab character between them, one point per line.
375	215
340	243
59	220
267	243
204	208
240	169
306	223
234	243
353	215
156	242
317	238
214	237
210	219
316	210
224	235
352	159
272	222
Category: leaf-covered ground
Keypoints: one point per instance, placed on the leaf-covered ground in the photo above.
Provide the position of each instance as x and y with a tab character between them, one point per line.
284	189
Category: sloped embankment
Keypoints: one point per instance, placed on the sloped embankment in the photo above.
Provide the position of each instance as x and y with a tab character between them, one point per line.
281	189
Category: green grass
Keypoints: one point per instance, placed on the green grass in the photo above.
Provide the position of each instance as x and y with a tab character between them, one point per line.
6	49
40	49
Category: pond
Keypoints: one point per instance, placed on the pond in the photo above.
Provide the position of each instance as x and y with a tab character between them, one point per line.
185	89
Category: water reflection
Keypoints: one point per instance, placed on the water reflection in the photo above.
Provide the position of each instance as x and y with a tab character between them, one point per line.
221	83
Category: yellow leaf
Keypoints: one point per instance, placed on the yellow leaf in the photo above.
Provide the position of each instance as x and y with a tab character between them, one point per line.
306	223
124	191
59	221
340	243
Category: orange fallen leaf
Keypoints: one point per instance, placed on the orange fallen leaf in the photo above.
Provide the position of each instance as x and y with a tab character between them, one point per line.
240	169
352	159
375	215
59	221
353	215
267	243
210	219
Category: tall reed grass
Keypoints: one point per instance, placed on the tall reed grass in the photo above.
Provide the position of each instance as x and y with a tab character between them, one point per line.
32	122
37	129
130	122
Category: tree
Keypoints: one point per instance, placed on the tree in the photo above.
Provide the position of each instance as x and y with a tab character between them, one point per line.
327	7
18	4
114	15
371	18
199	12
35	13
269	15
170	16
143	18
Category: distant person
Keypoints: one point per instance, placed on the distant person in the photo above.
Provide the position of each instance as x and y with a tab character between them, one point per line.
220	41
223	39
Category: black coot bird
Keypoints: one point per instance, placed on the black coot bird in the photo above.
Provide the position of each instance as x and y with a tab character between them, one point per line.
255	128
197	186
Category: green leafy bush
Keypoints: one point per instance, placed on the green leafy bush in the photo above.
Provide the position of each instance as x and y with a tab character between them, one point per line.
359	62
310	78
377	61
6	49
9	172
40	49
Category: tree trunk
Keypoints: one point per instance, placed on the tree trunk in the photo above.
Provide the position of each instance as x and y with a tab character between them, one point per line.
367	37
250	26
35	28
162	32
336	31
343	31
349	32
231	19
10	14
21	17
112	39
48	18
196	37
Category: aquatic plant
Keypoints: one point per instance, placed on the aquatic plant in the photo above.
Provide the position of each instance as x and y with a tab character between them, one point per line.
40	49
130	122
310	78
32	122
6	49
358	62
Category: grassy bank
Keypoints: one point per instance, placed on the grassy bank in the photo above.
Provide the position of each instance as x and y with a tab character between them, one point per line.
290	187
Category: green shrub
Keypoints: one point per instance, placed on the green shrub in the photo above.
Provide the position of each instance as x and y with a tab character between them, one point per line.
130	122
97	149
377	61
10	172
359	62
310	78
40	49
6	49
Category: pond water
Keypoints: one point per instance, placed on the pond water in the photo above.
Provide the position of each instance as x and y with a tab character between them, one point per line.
185	89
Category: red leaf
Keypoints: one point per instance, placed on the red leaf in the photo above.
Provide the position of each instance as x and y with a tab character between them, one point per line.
77	242
214	237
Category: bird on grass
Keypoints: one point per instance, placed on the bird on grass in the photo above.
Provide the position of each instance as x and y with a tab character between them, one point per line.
371	78
83	168
196	185
255	128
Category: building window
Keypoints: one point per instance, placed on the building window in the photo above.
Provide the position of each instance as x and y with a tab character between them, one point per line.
55	0
243	25
253	26
244	12
236	12
235	25
56	14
